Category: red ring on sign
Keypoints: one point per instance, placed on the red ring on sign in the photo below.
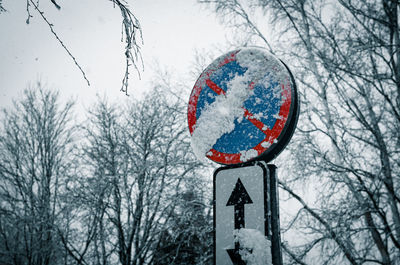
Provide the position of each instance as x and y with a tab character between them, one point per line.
272	135
198	87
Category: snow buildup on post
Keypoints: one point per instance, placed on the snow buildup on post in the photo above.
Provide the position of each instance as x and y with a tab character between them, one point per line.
218	118
255	248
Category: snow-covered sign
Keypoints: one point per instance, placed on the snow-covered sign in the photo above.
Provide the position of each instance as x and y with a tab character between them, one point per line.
243	107
241	216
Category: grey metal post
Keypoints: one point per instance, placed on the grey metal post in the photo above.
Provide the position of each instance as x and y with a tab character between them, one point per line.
275	226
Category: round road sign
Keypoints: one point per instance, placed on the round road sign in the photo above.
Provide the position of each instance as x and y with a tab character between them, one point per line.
243	107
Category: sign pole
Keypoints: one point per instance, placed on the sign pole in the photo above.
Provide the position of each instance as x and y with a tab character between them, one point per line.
275	226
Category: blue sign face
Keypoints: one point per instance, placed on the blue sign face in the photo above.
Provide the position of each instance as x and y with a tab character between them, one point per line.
266	107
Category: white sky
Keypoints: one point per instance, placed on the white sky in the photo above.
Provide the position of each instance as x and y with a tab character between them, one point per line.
91	29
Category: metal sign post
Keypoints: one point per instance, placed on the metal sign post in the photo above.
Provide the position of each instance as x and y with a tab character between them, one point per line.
275	223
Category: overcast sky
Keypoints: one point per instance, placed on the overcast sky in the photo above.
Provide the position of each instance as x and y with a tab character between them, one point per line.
91	29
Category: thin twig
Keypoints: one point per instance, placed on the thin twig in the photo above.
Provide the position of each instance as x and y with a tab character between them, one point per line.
2	9
28	11
58	38
130	26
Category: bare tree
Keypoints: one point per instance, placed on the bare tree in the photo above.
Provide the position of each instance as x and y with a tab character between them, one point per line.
188	237
136	160
35	143
345	56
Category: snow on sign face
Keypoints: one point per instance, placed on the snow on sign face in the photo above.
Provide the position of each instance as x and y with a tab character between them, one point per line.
243	107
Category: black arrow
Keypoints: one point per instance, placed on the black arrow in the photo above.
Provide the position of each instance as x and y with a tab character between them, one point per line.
238	199
235	256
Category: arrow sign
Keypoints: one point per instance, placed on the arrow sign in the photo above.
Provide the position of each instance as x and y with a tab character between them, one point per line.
239	197
244	188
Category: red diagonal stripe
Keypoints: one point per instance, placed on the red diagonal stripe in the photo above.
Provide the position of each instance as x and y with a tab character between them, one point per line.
215	87
260	125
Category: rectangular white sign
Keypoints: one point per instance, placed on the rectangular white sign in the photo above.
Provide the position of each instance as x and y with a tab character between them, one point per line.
240	201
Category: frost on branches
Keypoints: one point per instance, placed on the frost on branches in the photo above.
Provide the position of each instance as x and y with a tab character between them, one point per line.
255	248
